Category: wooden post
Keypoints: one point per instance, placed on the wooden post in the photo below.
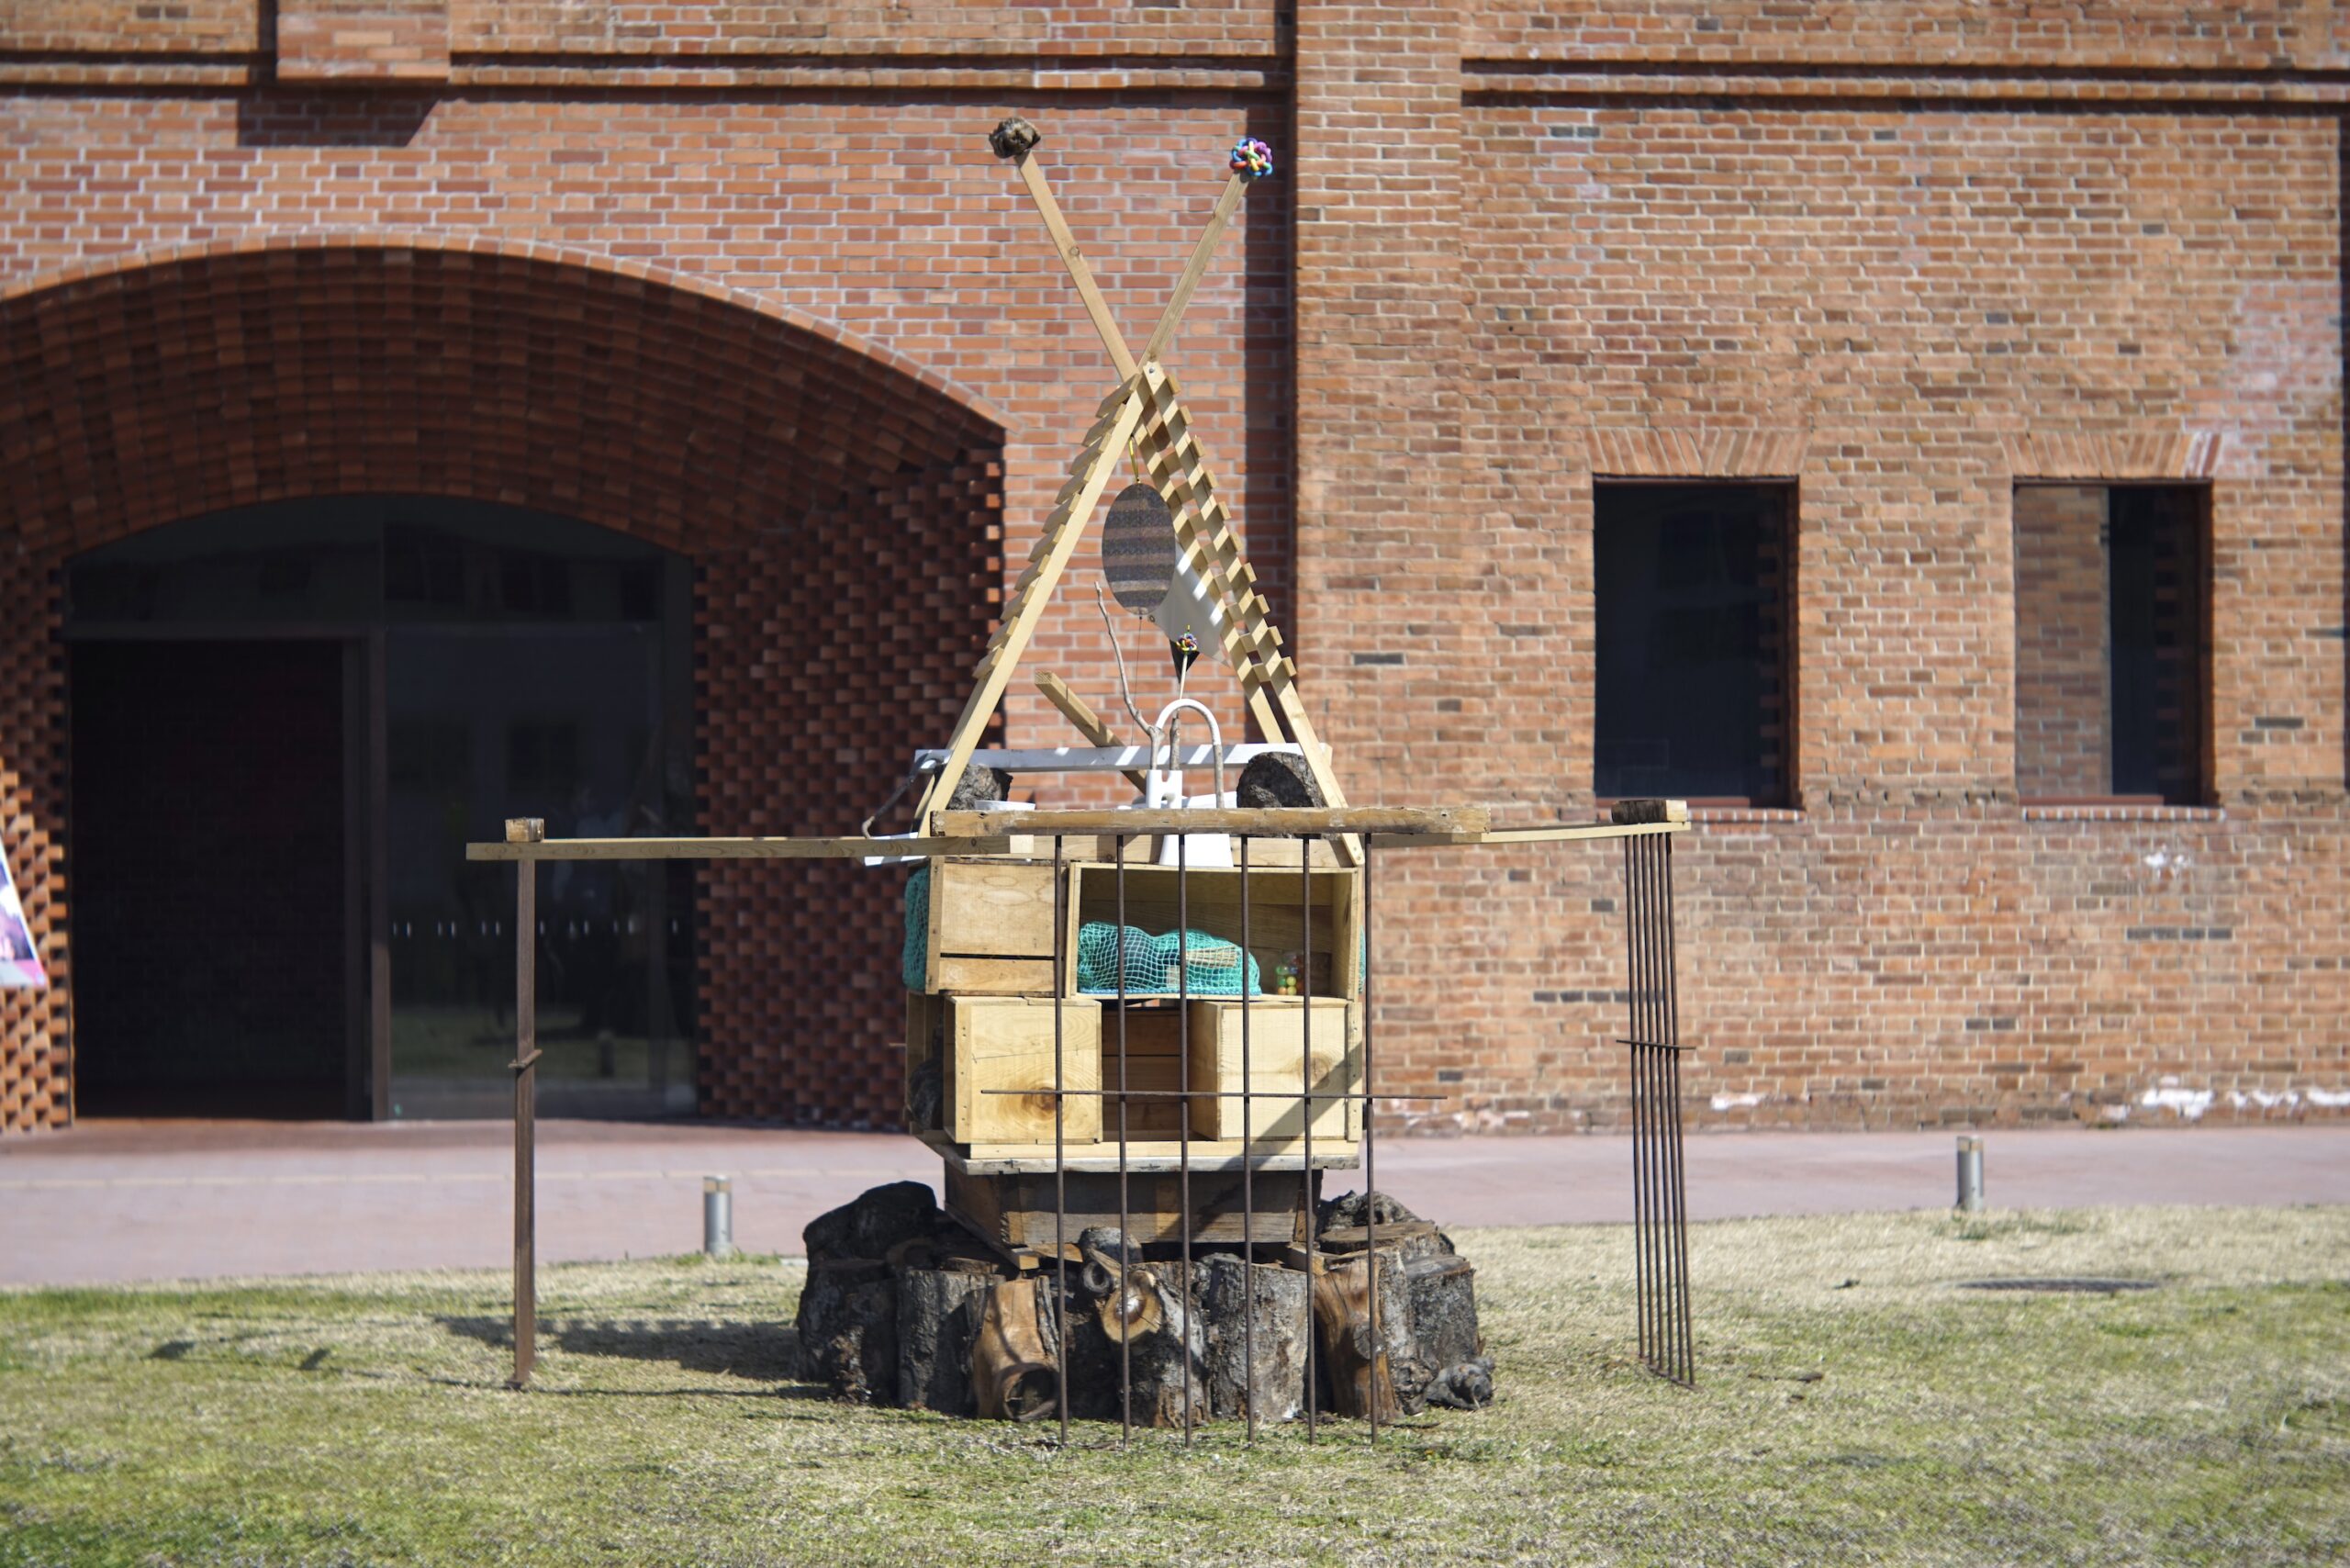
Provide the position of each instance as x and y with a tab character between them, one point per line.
525	830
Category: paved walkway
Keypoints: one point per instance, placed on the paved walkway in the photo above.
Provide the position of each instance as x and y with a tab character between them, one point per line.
113	1201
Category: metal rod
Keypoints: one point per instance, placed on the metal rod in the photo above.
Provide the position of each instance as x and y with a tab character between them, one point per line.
1632	1066
1306	1216
526	1082
1248	1176
1370	1165
1680	1169
1970	1174
1125	1247
1060	1161
1184	1083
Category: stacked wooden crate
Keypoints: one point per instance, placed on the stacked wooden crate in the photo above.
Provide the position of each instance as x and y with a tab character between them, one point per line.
982	1030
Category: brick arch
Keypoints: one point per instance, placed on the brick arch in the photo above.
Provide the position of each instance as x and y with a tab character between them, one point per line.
842	507
187	381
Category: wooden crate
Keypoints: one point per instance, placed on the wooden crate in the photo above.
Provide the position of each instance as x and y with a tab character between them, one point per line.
994	1044
1277	1043
990	931
1283	905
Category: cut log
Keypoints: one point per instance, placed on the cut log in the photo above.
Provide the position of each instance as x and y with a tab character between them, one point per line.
1268	1304
1012	1372
939	1312
848	1328
876	1220
1370	1366
1166	1360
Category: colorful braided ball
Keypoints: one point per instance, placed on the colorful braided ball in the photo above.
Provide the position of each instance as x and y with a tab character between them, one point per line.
1251	159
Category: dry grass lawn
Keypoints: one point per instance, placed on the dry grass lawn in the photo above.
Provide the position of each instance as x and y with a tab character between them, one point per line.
1853	1406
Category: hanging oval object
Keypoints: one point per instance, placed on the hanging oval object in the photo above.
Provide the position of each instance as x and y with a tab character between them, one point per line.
1138	549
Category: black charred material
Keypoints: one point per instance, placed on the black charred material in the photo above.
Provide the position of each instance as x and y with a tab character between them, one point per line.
1276	779
1013	136
980	786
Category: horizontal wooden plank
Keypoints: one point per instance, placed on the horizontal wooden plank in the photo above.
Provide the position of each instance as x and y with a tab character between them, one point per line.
1151	1157
741	848
1556	833
1277	821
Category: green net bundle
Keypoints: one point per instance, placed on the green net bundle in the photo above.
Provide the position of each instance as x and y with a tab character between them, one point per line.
1216	967
914	962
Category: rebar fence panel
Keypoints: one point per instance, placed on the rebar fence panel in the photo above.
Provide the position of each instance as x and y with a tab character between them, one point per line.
1660	1209
1242	1208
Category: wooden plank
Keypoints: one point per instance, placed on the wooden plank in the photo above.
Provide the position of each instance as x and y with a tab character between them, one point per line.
1062	531
1089	723
983	909
1272	821
1228	202
1146	1157
1558	832
1001	1072
1079	273
741	848
1015	1210
1276	1068
994	976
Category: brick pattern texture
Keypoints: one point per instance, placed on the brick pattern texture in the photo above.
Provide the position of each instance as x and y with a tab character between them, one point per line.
1905	257
2063	680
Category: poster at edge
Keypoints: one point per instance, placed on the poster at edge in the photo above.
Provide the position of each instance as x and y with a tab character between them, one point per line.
20	961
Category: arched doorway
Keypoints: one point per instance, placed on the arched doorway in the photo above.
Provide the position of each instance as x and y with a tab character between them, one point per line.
821	518
287	721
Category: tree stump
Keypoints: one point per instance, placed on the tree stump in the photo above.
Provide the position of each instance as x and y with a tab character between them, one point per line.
904	1307
939	1312
848	1328
1268	1304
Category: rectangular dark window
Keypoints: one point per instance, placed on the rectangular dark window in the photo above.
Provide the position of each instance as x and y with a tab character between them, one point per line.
1695	681
2112	644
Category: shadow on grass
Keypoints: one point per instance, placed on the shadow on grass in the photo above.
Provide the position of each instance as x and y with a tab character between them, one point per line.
761	1352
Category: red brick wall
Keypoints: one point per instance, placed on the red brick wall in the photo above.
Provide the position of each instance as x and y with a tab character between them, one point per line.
1905	257
828	653
2063	678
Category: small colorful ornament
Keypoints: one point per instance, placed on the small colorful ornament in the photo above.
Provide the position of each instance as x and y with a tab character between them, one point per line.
1251	159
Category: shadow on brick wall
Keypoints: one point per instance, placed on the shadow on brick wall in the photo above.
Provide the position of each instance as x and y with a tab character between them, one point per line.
273	119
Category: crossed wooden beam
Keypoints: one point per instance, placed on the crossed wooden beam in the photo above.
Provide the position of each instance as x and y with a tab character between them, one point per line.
1146	415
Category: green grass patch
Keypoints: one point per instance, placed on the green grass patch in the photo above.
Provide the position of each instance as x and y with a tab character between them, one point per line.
1853	1404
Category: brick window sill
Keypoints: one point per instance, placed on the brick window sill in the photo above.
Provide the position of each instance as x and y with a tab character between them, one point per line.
2080	813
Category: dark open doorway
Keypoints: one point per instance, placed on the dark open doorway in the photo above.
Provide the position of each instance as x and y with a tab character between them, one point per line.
210	904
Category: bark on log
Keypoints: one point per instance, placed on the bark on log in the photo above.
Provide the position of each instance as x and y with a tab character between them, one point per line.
1270	1304
848	1328
1013	1376
1166	1350
1369	1365
939	1312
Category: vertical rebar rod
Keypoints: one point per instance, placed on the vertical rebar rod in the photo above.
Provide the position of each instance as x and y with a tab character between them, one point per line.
1658	1110
1632	1066
1126	1243
1305	1103
1680	1168
1060	1151
1184	1100
526	1082
1248	1175
1369	1166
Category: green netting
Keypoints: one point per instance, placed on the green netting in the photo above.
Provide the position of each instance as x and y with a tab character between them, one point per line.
911	963
1214	967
